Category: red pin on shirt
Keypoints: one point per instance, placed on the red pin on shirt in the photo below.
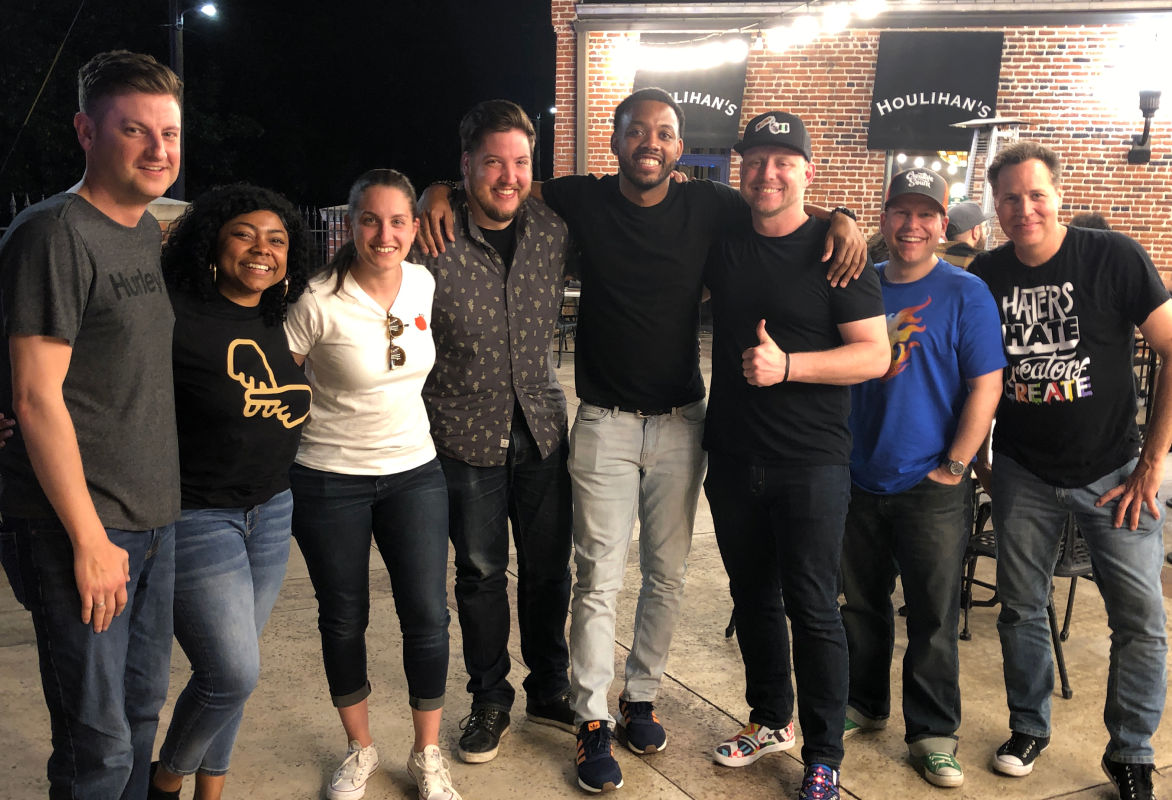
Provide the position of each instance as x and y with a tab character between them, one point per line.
421	323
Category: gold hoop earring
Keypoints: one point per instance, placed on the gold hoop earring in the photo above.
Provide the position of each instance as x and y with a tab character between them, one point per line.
212	269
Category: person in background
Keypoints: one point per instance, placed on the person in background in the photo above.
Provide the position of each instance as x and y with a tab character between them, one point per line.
232	262
967	233
367	465
1090	219
91	480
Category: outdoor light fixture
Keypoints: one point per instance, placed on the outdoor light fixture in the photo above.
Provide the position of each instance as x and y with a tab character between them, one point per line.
179	188
1141	144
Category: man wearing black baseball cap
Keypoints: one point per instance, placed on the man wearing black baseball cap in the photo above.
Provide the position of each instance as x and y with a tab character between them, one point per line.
966	233
786	344
914	432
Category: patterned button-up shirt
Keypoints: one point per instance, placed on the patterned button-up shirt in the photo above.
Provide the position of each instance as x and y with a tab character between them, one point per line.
493	328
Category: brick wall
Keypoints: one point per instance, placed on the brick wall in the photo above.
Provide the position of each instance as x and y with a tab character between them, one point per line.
1053	76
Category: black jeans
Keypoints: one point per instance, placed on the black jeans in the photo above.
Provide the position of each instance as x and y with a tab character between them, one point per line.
780	535
534	494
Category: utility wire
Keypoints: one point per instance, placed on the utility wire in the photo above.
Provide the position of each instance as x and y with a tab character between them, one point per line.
41	91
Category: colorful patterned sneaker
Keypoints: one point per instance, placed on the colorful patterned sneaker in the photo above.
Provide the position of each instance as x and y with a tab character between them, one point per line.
597	769
861	725
430	772
820	783
557	713
644	733
349	781
753	742
939	769
481	739
1016	757
1134	781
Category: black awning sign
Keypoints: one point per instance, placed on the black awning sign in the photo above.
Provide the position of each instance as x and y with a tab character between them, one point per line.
927	80
711	98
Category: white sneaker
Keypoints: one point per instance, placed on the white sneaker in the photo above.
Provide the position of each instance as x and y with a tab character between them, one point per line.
349	781
430	771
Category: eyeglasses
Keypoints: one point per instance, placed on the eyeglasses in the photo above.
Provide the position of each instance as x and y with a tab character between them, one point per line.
396	356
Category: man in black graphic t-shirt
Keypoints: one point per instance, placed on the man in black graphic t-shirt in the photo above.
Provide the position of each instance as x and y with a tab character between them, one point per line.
1066	443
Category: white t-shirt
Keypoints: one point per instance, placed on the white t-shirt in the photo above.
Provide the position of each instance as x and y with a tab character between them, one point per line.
365	419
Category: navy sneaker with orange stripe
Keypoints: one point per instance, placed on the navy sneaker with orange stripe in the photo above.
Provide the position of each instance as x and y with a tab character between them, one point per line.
597	769
644	733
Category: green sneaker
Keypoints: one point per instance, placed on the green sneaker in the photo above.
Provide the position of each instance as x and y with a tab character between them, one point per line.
851	726
939	769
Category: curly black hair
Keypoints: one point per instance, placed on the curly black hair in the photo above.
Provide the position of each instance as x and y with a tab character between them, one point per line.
192	242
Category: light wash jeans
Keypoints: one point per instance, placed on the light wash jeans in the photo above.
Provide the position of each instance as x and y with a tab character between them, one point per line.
229	564
1028	516
623	464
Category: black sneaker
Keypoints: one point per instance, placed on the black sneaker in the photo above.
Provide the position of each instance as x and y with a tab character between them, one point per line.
1016	757
597	769
644	734
155	793
483	729
1134	781
557	713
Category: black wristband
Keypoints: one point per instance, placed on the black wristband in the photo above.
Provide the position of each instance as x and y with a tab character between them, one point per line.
785	378
846	212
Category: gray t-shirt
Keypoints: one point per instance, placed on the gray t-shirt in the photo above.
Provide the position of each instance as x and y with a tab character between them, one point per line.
70	272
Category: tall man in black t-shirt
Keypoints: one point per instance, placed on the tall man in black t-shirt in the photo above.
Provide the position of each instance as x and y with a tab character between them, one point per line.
91	481
786	345
1066	443
635	446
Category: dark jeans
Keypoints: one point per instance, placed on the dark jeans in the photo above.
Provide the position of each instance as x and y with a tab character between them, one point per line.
780	535
534	494
334	516
920	534
104	690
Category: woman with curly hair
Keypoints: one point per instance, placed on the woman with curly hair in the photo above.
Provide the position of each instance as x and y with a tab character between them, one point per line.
367	465
233	263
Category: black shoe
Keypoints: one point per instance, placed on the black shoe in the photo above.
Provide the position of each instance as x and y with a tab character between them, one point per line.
557	713
483	729
1134	781
1016	757
155	793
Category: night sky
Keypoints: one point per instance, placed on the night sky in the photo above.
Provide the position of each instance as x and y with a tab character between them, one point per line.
299	96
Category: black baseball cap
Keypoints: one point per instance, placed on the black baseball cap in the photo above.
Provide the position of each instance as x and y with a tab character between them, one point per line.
919	181
776	129
963	217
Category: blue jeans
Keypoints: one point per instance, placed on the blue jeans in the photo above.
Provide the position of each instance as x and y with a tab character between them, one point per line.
334	516
622	464
1028	516
229	564
104	690
920	534
534	494
780	530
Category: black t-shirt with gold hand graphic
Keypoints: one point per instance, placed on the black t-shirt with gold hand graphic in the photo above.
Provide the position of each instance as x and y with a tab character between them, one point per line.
240	401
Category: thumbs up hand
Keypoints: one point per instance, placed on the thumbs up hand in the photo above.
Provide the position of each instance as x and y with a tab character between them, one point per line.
765	364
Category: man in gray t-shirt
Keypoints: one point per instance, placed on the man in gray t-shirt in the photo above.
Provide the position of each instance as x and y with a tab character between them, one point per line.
91	480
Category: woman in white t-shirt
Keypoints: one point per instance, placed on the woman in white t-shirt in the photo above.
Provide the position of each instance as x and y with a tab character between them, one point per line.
367	464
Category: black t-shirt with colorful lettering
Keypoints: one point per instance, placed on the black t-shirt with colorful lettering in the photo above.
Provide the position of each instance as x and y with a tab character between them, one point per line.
1067	412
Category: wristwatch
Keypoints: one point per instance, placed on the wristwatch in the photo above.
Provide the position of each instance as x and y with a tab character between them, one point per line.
846	212
957	468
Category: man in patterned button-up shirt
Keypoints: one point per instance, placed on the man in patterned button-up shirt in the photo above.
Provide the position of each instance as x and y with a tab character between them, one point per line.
498	418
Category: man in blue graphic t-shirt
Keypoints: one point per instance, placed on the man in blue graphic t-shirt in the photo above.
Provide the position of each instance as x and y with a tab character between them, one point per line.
915	431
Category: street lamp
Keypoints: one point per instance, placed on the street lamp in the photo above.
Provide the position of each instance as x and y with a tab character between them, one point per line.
208	10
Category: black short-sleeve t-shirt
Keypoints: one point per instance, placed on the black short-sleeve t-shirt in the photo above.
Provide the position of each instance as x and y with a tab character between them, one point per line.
781	280
1067	411
641	270
241	401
